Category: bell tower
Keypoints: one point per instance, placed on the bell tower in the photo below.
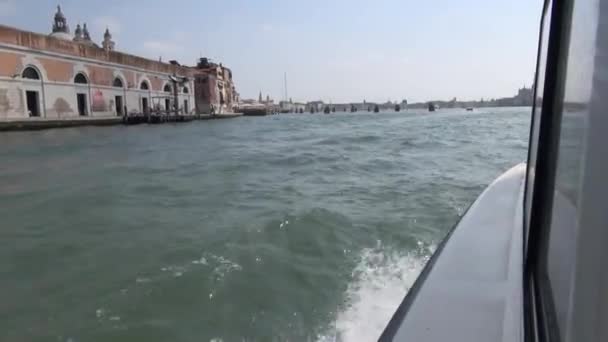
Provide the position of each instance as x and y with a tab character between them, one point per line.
107	43
86	36
78	33
60	24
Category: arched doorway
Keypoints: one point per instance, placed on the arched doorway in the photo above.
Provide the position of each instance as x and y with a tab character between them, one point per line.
81	93
144	100
118	99
32	96
186	91
167	89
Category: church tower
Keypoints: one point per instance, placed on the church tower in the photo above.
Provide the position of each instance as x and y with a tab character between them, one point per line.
78	33
61	29
86	36
107	43
60	24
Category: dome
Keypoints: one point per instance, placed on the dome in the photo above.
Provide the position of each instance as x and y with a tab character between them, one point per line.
61	35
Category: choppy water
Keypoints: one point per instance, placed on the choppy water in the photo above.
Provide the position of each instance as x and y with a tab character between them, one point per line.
308	227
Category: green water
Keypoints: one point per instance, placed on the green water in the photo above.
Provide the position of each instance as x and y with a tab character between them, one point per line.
291	227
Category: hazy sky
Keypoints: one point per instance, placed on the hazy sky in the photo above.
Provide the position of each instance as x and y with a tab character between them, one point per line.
334	50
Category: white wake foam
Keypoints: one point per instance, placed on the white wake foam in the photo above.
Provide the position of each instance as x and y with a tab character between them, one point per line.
380	281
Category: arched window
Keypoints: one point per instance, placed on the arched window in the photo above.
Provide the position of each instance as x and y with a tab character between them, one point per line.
80	79
185	91
144	85
30	73
167	88
117	83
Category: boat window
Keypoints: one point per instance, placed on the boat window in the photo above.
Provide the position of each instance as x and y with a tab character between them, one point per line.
536	112
561	244
557	164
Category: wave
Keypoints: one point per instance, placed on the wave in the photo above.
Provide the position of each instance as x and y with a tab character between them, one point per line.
337	140
380	281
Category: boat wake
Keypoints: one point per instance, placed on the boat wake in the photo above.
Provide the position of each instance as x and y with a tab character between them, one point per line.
380	281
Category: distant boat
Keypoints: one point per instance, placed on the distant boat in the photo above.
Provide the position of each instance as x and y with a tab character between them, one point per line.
469	109
431	107
397	107
376	109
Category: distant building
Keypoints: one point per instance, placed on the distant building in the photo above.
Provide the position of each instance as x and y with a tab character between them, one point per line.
64	76
299	107
524	97
286	106
214	88
317	106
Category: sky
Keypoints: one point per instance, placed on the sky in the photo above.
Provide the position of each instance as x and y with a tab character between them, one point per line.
331	50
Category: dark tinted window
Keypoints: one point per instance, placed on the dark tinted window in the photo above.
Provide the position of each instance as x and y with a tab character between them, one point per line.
561	250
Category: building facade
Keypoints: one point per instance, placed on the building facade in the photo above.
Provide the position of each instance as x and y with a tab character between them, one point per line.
214	88
69	76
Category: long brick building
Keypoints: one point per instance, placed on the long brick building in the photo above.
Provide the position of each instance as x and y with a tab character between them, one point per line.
69	76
